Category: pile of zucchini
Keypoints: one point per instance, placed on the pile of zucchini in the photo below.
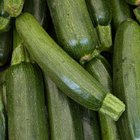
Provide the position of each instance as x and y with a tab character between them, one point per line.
69	70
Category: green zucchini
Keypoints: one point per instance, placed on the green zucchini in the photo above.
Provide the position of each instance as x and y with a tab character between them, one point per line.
5	47
65	71
25	98
4	19
13	7
137	13
126	77
100	69
74	29
91	126
2	115
64	114
133	2
120	11
101	15
38	8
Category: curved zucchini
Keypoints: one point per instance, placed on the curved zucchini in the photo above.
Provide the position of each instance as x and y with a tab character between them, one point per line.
13	7
26	109
100	69
5	47
133	2
120	12
126	77
64	71
74	29
64	114
38	8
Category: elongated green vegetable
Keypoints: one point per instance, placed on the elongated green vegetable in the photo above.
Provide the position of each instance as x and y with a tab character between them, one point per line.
133	2
2	115
64	71
120	12
25	97
13	7
38	8
137	13
64	115
126	78
100	69
74	29
101	15
5	47
91	126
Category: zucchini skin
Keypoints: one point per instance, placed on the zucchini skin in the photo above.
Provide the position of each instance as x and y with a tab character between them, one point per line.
73	26
133	2
64	114
136	12
65	71
26	109
38	8
126	77
100	69
5	47
120	11
100	12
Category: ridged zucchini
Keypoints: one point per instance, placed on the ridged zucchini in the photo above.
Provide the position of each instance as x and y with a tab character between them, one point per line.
126	77
101	70
38	8
13	7
64	114
25	98
133	2
5	47
120	12
64	71
74	29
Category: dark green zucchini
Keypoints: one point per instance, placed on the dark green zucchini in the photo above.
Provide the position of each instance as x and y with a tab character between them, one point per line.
120	12
38	8
74	29
133	2
13	7
126	77
64	114
64	71
25	98
5	47
100	69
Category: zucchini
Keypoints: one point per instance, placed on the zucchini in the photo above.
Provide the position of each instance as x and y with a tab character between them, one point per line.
38	8
133	2
64	114
101	70
120	11
2	115
126	77
5	47
13	7
74	29
137	13
91	126
64	71
26	109
4	19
